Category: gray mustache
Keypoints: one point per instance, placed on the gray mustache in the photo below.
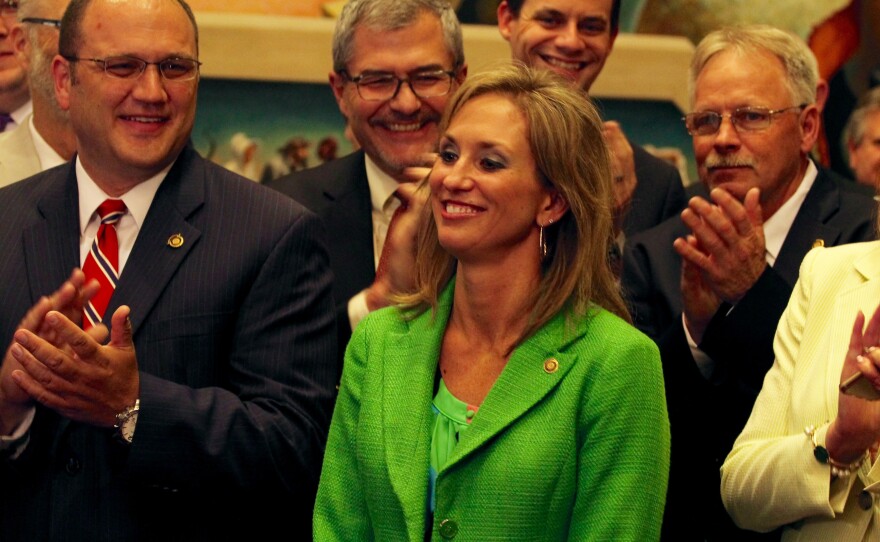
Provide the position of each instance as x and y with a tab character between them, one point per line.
728	162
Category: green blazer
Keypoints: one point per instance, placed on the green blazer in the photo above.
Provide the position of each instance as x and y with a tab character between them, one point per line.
579	452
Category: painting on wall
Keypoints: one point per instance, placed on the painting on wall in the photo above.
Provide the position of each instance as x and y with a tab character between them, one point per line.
296	125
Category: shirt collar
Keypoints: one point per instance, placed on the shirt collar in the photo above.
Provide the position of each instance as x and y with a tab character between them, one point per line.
777	226
45	153
137	200
20	115
382	185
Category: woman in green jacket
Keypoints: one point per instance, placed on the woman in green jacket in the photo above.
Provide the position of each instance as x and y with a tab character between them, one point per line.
508	398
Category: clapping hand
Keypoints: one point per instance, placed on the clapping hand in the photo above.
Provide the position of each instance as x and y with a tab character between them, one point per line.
857	425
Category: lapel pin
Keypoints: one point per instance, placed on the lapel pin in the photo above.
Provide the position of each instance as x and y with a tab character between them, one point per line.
818	243
175	241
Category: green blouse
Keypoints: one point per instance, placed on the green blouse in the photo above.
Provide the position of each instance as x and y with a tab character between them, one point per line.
451	417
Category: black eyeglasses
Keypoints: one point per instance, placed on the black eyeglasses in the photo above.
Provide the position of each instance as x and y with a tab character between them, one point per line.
56	23
8	7
131	67
379	87
750	119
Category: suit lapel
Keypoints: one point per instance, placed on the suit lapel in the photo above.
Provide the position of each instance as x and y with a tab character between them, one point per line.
51	246
810	225
410	365
154	259
522	384
350	219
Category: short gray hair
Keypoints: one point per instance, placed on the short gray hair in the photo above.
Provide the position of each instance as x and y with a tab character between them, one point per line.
855	126
28	8
389	15
801	68
25	9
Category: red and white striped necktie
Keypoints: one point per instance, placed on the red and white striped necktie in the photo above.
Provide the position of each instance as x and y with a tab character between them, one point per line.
102	262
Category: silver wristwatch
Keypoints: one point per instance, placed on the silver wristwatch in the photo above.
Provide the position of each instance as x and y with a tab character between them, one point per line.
126	420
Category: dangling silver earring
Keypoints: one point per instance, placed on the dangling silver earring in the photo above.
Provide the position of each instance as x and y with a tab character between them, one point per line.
542	241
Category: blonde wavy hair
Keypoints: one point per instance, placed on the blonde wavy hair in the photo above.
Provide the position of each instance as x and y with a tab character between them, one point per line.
566	140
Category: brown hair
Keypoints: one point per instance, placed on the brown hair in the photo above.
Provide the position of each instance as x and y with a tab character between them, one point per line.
515	7
575	274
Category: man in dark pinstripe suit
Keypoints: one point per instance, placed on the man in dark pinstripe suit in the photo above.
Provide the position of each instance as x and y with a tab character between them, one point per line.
201	410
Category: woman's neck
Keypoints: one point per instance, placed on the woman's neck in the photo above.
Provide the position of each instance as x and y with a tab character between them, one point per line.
493	303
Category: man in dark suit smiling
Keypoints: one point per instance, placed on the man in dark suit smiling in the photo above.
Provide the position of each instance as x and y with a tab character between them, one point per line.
573	38
205	413
395	64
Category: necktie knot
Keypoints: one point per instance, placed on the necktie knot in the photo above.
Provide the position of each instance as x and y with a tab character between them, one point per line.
5	119
388	243
111	210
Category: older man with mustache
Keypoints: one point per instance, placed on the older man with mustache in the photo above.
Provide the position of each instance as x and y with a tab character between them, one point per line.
713	302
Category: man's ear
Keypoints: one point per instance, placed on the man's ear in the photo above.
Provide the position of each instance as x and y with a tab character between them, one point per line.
822	92
810	126
61	73
506	20
462	74
337	85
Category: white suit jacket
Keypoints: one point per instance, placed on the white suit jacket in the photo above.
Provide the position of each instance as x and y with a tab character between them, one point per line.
18	156
771	477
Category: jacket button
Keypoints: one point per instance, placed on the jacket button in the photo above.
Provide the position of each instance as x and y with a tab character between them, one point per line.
551	366
866	500
448	529
72	466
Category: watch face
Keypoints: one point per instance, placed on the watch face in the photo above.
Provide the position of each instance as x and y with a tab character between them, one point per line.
127	427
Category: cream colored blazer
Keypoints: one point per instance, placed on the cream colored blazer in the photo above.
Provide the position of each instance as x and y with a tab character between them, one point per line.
771	477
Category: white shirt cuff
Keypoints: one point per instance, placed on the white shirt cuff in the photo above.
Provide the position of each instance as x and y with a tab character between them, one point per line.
704	363
13	445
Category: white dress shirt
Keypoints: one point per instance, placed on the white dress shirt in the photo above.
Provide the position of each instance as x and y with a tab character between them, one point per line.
137	202
47	156
383	204
19	116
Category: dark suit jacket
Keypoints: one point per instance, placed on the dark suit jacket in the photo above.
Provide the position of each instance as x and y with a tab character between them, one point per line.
234	334
706	418
339	194
658	195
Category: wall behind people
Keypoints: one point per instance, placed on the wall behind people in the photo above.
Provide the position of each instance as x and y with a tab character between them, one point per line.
264	66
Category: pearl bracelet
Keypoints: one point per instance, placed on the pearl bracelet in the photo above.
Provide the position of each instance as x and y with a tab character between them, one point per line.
838	469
